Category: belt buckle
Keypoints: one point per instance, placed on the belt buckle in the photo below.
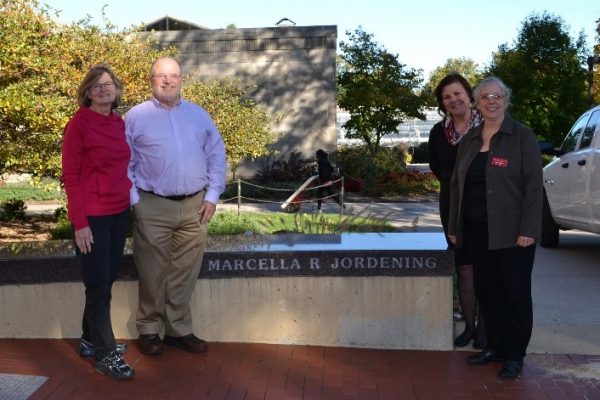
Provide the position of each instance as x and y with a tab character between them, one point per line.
180	197
177	197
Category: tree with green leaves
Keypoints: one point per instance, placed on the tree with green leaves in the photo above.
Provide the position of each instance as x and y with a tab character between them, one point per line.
596	68
244	125
462	65
376	90
42	64
545	70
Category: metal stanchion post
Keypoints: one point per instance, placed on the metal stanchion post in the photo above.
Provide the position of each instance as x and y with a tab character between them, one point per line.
239	194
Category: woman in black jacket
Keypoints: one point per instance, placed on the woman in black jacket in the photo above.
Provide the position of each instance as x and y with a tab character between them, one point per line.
496	209
454	96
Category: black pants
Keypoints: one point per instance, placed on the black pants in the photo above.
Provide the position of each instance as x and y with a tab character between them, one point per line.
99	269
503	288
326	190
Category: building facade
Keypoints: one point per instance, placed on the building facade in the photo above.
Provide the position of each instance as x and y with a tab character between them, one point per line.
293	69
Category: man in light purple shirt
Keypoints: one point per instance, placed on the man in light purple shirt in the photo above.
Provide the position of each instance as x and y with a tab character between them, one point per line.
178	168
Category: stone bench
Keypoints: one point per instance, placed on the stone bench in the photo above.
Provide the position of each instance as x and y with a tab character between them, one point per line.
375	290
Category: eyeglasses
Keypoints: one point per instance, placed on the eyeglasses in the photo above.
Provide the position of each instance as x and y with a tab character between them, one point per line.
99	86
495	96
164	76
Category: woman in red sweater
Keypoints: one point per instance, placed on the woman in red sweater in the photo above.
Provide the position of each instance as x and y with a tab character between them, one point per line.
95	156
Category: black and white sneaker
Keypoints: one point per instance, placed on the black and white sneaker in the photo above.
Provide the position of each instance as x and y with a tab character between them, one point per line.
114	366
86	348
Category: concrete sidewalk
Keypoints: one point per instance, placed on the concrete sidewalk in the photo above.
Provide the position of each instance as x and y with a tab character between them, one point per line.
408	216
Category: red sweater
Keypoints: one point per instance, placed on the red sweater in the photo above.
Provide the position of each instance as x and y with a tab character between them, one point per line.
95	156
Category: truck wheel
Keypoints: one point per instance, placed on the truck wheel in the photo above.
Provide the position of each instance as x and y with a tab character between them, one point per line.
549	227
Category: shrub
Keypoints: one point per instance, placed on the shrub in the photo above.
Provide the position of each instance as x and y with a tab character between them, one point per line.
389	159
293	169
359	164
62	230
228	223
353	185
60	213
406	182
13	209
309	223
420	153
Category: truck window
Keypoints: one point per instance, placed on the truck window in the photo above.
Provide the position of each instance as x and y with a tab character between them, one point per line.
588	132
570	142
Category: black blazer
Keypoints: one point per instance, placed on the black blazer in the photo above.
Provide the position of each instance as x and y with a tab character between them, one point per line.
514	184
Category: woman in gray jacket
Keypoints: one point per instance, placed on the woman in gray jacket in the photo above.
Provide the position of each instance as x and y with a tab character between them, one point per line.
496	207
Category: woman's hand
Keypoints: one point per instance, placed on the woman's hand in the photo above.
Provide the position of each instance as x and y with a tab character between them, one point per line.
524	241
452	239
84	239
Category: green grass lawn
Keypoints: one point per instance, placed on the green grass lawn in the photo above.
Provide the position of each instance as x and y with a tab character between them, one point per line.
230	223
26	192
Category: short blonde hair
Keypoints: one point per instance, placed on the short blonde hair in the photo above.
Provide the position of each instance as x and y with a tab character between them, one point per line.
91	77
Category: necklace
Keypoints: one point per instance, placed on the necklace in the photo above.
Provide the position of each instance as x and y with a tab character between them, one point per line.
452	134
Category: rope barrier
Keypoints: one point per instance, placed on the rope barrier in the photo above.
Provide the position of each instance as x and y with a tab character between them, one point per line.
229	199
260	200
266	187
299	200
280	189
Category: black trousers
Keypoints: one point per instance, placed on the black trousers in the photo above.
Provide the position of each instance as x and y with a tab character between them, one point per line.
99	269
503	288
462	256
326	190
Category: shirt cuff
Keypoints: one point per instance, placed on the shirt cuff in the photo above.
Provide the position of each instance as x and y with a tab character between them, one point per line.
134	196
212	196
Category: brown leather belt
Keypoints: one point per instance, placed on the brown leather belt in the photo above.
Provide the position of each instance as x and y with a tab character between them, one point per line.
177	197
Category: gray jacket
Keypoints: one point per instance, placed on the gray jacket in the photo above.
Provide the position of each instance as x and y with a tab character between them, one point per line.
514	184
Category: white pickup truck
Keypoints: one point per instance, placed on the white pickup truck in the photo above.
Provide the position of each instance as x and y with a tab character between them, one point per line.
572	182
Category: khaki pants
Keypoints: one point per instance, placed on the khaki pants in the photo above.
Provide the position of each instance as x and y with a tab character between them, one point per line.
168	246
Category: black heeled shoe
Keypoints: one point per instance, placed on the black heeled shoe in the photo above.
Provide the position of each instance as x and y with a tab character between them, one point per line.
464	339
485	356
511	369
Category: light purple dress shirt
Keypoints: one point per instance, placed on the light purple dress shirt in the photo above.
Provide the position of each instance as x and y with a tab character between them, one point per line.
175	151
